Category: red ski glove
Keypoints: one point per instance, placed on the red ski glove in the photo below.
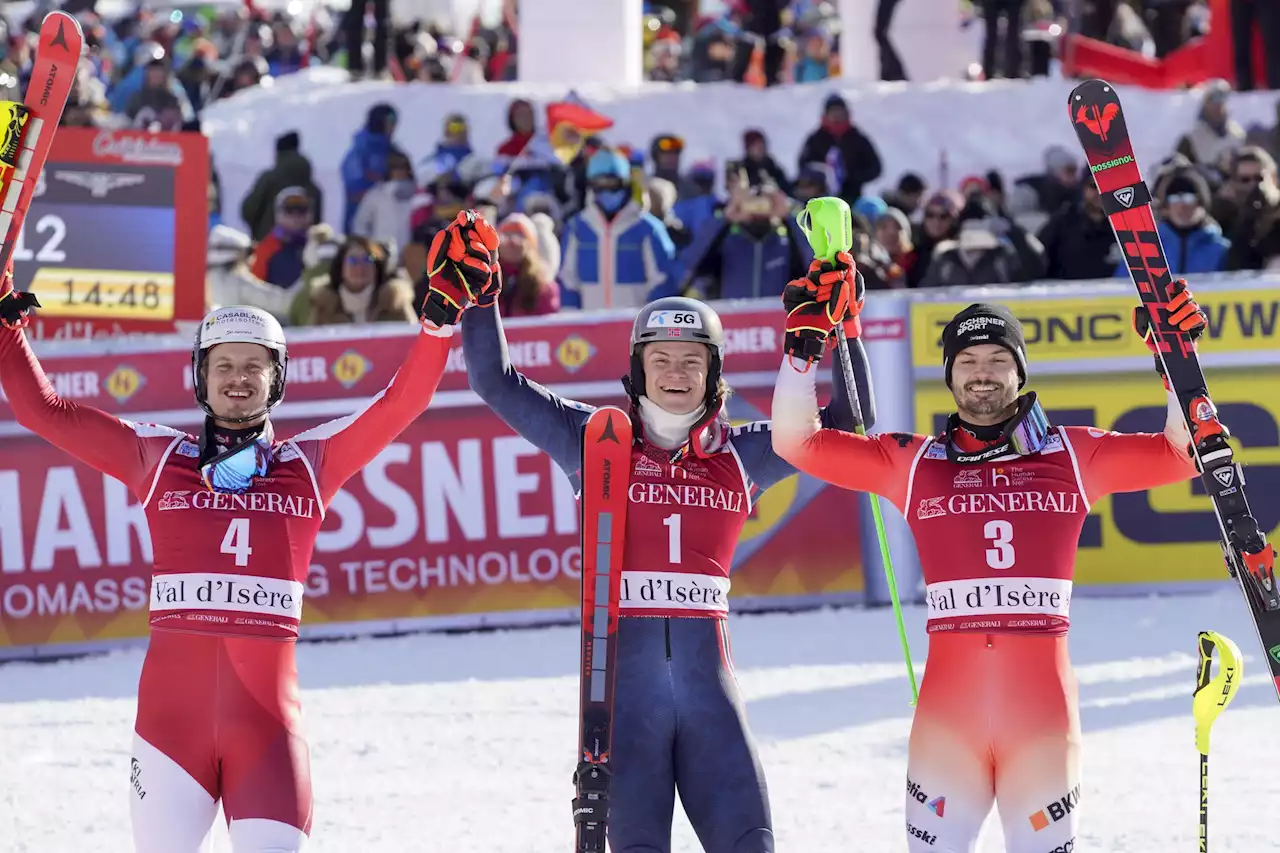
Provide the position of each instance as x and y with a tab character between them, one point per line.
1185	315
461	269
15	306
831	293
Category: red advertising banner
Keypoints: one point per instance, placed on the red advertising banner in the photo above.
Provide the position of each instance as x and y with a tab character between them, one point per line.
458	518
100	246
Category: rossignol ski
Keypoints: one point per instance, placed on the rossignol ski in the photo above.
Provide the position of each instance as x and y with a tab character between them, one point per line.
606	468
1099	121
28	132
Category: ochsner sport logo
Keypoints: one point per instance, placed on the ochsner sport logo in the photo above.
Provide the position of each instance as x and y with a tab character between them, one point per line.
978	324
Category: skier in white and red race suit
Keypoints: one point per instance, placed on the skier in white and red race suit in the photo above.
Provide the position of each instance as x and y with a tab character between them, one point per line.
233	514
679	719
996	504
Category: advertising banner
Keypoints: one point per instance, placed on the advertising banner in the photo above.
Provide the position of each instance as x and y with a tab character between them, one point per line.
330	365
458	521
100	247
1101	327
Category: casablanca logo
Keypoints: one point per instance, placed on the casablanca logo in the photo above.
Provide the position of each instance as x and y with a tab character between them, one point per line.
574	352
123	382
350	367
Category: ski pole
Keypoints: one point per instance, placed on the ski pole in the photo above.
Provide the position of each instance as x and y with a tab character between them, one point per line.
1211	698
827	223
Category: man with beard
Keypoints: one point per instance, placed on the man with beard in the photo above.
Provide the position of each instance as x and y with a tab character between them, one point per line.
996	503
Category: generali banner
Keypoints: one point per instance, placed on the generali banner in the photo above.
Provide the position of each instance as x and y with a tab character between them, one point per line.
458	522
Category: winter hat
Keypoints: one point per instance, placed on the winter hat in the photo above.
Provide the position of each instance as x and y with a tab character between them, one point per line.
870	207
1184	183
904	224
910	182
834	100
282	197
983	323
226	245
518	223
607	163
288	141
752	136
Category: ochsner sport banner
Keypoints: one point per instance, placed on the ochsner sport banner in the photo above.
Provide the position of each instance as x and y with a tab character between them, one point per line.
457	523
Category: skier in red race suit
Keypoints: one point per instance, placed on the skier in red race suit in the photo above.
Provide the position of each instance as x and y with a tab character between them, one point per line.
233	515
996	504
679	719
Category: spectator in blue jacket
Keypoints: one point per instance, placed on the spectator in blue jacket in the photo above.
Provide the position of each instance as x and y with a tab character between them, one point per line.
615	253
365	165
1192	240
750	249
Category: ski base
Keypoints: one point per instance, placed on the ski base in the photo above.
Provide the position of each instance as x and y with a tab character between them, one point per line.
1098	118
606	466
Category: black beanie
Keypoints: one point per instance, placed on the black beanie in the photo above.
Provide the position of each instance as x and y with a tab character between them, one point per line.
982	323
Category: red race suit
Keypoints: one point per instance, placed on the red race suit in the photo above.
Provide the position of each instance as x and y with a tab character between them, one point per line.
218	709
997	719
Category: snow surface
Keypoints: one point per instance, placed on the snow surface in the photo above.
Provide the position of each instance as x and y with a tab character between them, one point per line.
465	741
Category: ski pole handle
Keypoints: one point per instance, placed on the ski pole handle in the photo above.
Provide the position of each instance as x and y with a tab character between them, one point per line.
827	223
1211	697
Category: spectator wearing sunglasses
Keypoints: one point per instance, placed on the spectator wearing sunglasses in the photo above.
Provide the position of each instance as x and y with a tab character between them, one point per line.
616	254
359	288
1255	237
277	259
1191	239
1247	169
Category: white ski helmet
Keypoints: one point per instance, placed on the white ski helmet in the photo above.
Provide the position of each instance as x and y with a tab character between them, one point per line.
239	324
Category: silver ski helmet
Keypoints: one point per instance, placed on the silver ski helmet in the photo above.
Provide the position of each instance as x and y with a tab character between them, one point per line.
239	324
678	318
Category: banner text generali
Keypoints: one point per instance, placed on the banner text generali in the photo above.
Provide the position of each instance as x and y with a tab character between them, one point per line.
456	518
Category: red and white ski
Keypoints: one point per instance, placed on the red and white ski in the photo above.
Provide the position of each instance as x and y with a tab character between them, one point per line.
606	468
57	56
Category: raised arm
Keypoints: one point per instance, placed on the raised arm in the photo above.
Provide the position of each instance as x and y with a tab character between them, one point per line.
880	464
754	442
121	449
1112	462
340	448
548	421
832	293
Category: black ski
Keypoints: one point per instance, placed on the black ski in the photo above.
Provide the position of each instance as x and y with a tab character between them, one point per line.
1099	121
606	469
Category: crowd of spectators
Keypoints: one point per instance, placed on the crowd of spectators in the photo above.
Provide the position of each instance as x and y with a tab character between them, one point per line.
630	220
619	225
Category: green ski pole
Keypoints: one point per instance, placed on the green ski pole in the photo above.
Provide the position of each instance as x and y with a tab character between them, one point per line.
828	225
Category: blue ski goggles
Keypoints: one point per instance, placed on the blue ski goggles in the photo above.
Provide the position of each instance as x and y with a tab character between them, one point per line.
1030	432
234	471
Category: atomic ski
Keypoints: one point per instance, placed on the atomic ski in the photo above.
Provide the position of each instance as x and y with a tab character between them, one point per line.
28	133
606	467
1099	121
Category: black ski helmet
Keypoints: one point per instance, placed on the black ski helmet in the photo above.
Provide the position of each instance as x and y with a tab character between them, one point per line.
677	318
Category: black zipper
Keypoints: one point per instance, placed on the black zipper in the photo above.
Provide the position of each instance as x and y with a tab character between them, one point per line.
666	629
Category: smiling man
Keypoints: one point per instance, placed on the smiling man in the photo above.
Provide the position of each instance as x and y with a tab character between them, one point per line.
677	710
233	514
996	504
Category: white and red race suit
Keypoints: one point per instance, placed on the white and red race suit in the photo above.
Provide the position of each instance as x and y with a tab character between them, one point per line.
218	712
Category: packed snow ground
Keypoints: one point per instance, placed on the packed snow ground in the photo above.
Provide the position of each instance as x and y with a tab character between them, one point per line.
465	742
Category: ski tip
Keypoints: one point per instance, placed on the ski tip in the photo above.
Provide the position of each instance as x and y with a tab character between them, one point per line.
1089	88
54	27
